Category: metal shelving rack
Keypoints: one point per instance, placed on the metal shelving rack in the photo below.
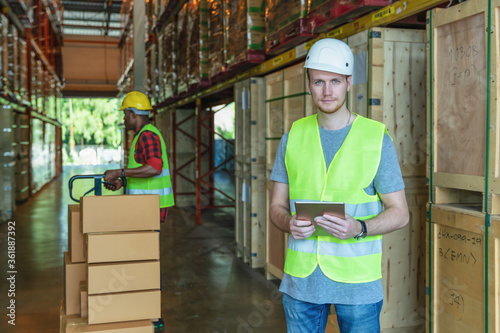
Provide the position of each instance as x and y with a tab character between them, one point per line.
43	37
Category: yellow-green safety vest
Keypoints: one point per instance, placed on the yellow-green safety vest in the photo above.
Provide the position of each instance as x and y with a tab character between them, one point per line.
352	170
160	184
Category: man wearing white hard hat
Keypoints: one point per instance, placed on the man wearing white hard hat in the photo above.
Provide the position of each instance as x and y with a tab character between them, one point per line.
335	156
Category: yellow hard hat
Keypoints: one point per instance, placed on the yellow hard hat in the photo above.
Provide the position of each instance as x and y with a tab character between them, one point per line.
137	102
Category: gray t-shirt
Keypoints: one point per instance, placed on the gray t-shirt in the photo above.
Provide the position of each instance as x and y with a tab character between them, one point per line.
317	287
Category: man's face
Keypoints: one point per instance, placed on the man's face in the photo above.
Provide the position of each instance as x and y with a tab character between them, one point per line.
128	120
328	90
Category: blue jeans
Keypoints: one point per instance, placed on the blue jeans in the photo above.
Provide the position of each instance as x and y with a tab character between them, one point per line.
304	317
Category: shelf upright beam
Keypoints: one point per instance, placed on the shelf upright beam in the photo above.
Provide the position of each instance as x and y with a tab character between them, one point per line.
198	160
139	26
173	157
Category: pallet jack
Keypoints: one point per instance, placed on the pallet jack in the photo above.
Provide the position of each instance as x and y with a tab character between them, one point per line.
98	182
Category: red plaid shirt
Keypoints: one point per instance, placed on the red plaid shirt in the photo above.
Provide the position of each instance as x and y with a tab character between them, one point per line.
148	151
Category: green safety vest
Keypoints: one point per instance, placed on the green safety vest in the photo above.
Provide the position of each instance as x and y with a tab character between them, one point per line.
160	184
352	170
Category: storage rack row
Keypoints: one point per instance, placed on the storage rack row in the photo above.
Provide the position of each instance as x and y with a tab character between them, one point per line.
30	99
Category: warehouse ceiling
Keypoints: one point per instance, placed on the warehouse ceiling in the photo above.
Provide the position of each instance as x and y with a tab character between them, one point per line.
92	17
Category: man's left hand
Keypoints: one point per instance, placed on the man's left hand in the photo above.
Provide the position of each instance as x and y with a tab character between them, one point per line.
112	175
338	227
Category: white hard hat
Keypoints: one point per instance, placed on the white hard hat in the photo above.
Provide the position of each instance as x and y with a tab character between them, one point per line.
331	55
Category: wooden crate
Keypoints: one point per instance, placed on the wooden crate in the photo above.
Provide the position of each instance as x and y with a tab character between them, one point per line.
403	268
457	273
249	96
388	86
463	142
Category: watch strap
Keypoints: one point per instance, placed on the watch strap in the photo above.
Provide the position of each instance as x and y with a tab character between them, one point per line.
363	232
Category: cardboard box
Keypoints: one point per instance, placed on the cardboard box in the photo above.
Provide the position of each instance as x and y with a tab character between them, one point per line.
120	213
63	317
121	277
74	273
80	325
83	299
123	246
75	236
136	305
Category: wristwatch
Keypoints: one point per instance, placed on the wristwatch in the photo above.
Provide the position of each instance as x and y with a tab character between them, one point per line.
363	232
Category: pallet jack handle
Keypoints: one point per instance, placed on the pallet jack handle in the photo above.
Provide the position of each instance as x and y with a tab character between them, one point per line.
98	181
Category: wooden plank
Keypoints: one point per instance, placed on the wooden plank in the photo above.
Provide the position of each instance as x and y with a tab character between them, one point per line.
258	120
247	203
239	146
458	289
403	270
460	93
494	275
294	109
250	171
494	120
274	104
258	217
294	80
297	102
275	255
271	148
457	181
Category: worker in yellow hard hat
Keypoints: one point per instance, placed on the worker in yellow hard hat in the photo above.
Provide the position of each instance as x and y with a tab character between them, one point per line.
147	171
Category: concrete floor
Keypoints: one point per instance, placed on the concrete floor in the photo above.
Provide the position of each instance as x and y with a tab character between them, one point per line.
205	287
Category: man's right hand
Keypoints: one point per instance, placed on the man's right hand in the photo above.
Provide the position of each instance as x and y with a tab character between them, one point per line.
114	185
301	229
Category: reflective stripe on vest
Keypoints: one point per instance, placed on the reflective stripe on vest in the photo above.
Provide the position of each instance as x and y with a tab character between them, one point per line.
351	171
160	184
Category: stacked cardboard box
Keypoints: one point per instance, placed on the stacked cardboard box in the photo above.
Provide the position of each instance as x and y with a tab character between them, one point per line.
112	267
